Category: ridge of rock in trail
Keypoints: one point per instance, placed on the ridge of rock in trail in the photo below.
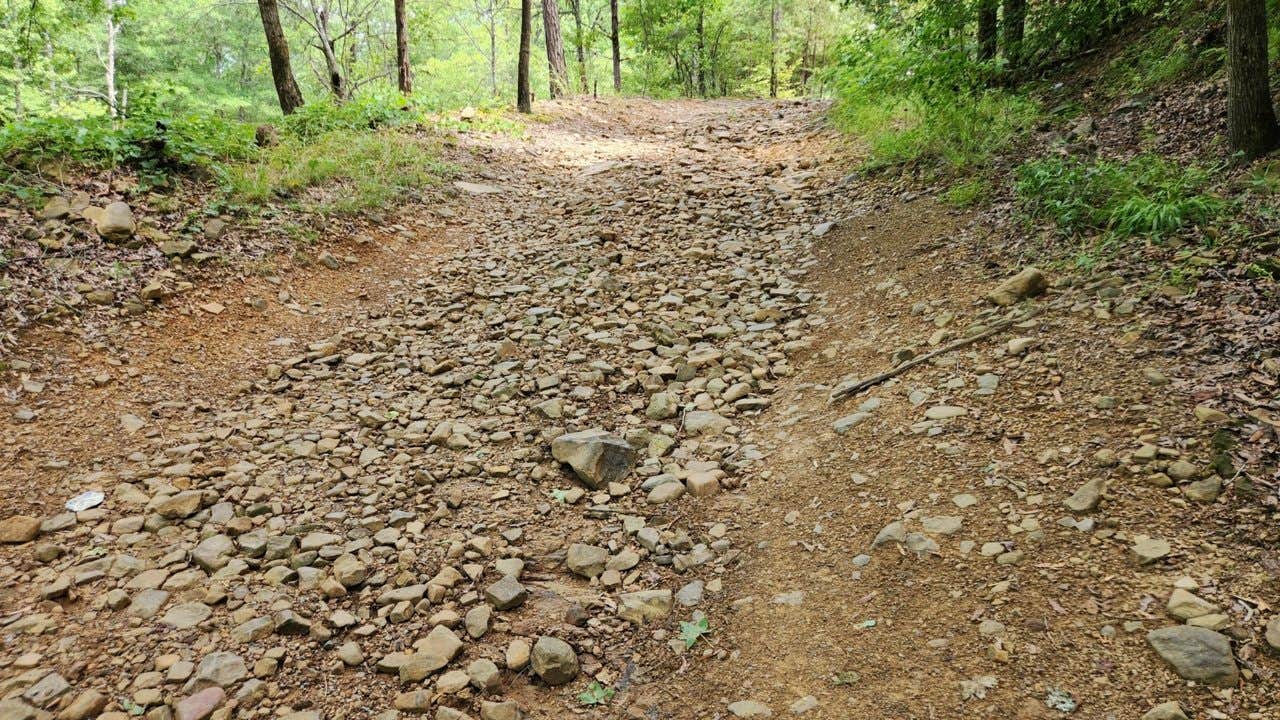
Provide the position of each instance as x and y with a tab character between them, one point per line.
379	522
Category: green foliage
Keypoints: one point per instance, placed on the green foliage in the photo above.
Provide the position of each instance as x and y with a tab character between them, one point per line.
596	694
957	132
367	112
691	631
340	171
151	145
1146	196
969	193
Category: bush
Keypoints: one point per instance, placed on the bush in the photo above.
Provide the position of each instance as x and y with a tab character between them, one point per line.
367	112
1146	196
152	145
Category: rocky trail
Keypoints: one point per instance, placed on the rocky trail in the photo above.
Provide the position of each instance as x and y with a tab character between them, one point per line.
566	447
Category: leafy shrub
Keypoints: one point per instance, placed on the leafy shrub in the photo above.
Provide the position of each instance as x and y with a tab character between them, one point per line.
367	112
150	144
1146	196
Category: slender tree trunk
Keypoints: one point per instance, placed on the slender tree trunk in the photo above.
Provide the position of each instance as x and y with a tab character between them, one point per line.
404	71
493	54
109	62
987	29
278	48
775	18
558	70
617	49
1251	117
336	84
1015	21
524	100
578	45
700	61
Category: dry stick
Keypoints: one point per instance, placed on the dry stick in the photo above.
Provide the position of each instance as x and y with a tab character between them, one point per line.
874	380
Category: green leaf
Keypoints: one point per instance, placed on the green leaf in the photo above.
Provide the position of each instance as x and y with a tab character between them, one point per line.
691	631
596	694
560	495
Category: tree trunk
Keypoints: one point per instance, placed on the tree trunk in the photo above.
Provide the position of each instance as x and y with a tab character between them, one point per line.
988	27
1251	117
524	100
109	62
558	70
775	18
493	55
617	49
700	60
404	71
278	48
336	84
578	45
1015	20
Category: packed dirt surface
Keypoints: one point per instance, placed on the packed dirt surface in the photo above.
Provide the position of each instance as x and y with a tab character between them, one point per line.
568	448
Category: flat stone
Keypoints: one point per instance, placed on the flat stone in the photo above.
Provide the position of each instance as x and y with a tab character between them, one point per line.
586	560
750	709
1185	605
644	605
1165	711
1149	550
186	615
1086	498
506	593
17	529
200	705
1196	654
945	412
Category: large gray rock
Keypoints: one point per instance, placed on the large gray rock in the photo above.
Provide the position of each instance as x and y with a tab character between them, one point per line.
19	529
586	560
1196	653
554	661
644	605
1273	633
1028	283
597	457
115	223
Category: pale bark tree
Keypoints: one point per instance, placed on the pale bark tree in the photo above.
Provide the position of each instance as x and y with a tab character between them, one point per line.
524	98
558	70
1251	116
109	60
404	72
278	49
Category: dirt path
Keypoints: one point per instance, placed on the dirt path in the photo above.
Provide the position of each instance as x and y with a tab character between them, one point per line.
347	506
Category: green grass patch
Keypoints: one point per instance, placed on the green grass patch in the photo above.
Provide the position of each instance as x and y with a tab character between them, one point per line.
339	171
1147	196
969	193
957	133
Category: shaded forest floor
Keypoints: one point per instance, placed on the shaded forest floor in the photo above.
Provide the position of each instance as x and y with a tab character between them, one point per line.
320	485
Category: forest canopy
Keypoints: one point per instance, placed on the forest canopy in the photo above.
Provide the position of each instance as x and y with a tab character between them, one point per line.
80	58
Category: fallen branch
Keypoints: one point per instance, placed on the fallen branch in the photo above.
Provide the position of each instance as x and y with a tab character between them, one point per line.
844	392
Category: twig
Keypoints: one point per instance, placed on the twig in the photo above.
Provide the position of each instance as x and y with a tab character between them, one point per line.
874	380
